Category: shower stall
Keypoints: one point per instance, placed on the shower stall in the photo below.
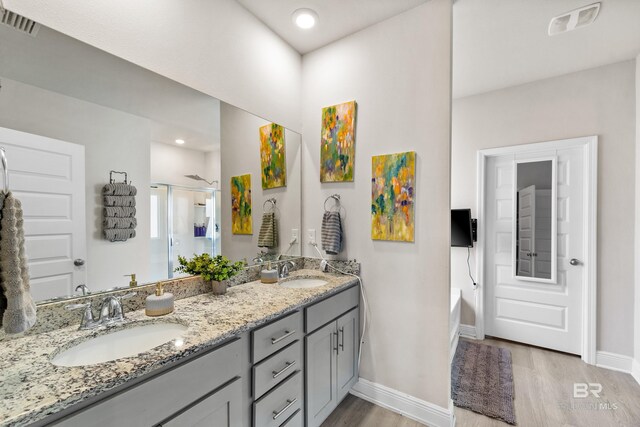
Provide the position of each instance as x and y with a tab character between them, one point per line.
184	221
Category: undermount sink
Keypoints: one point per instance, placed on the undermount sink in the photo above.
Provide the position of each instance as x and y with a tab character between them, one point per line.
121	343
303	283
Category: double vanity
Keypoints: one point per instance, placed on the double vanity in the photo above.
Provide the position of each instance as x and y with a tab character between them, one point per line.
281	354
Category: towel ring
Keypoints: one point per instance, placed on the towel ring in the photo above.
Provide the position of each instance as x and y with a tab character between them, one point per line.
273	205
113	181
5	170
335	197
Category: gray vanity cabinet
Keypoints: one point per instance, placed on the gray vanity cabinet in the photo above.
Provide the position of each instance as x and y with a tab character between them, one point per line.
331	363
221	408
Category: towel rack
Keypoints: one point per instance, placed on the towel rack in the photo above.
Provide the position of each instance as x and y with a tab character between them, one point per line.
273	202
335	197
113	181
5	170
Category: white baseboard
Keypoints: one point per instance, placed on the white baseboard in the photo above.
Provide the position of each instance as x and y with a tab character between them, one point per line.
468	331
614	361
404	404
635	370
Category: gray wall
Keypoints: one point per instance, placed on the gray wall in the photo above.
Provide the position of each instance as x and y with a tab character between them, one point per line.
240	154
399	73
599	102
112	140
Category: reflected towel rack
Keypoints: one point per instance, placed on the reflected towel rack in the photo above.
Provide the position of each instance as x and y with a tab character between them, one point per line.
5	170
335	197
273	202
113	181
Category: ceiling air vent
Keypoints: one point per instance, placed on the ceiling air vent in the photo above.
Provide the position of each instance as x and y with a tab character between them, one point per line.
577	18
19	22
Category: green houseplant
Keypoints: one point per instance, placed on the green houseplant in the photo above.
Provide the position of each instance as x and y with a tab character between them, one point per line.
214	270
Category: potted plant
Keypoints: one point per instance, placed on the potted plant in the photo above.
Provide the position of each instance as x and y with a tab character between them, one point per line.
214	270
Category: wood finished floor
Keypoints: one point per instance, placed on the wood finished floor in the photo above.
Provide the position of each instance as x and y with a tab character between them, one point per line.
543	383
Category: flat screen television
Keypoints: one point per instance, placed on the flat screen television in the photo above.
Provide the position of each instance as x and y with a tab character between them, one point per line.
461	228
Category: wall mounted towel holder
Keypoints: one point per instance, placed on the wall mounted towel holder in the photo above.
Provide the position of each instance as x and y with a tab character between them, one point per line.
335	197
5	170
113	181
272	201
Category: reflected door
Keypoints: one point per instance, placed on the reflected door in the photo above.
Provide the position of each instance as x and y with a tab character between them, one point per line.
524	301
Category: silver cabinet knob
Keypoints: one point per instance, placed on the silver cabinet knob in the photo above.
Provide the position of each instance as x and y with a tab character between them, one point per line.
78	262
574	261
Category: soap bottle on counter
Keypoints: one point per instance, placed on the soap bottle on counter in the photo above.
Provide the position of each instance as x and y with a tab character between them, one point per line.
159	304
269	275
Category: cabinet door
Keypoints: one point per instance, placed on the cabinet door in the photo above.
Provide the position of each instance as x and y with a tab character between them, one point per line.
220	409
321	374
347	357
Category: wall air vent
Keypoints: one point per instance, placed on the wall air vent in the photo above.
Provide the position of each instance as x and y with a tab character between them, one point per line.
577	18
19	22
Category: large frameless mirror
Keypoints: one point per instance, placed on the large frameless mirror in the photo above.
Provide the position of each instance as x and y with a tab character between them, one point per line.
535	243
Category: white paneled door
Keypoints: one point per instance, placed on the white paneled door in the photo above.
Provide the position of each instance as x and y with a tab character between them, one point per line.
546	314
47	176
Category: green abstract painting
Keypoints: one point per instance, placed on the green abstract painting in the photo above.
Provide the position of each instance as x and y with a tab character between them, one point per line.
337	147
241	222
273	161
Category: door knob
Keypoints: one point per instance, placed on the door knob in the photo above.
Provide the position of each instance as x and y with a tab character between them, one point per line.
78	262
574	261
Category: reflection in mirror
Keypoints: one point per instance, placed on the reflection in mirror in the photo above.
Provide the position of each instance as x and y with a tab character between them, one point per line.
71	113
535	243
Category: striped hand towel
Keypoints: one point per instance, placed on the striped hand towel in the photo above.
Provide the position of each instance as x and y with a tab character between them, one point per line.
331	232
119	189
268	237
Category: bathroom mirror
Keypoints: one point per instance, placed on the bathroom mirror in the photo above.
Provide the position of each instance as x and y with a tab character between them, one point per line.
72	117
535	243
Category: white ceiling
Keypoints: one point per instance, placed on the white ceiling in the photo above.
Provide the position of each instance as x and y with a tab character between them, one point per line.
502	43
336	18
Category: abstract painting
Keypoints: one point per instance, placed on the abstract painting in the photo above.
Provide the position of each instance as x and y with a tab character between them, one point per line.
273	160
337	146
241	222
393	179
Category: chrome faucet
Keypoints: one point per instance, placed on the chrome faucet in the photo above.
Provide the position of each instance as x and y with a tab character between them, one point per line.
284	269
110	312
83	288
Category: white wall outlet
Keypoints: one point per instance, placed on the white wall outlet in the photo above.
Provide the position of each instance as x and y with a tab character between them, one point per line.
311	236
295	235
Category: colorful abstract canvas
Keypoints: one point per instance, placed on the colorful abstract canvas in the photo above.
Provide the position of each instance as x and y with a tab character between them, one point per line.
338	149
273	160
241	222
392	196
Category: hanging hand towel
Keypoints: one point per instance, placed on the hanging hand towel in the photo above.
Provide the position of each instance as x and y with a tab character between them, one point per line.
20	313
331	232
119	212
268	237
128	201
119	189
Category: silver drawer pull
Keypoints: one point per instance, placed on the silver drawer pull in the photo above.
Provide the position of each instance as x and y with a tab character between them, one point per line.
286	335
276	374
276	414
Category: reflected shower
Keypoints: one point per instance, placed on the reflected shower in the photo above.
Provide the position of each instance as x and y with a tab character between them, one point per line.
199	178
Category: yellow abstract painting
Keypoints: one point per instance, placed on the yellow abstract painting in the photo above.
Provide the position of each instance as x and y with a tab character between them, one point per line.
241	221
273	161
392	196
338	143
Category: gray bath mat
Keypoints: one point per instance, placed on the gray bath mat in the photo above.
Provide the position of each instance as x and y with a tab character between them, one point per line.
482	380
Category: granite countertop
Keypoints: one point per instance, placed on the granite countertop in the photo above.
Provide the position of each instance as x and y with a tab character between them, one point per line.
32	387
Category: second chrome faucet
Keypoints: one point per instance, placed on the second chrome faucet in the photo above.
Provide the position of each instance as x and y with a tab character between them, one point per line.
110	312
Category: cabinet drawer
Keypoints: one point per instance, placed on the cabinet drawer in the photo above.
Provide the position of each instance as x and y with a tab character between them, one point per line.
275	369
279	404
160	397
329	309
294	420
275	336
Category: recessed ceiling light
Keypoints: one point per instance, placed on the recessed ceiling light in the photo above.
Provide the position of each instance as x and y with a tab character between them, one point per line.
305	18
179	141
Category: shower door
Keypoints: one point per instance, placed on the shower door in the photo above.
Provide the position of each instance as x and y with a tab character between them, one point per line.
187	221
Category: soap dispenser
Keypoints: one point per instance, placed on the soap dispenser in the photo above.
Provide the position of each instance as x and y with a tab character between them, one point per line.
133	282
159	304
269	275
